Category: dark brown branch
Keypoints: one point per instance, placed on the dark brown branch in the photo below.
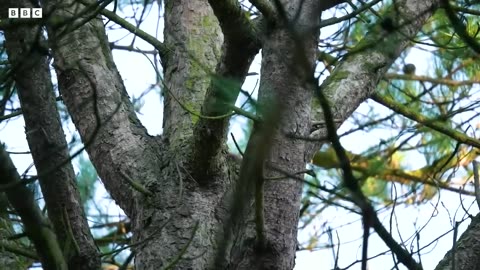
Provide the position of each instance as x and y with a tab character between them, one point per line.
369	215
351	15
35	225
48	146
12	115
327	4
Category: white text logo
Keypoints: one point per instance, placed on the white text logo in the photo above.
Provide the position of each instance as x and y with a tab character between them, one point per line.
24	13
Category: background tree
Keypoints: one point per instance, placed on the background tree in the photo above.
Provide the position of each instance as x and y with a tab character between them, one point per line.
190	203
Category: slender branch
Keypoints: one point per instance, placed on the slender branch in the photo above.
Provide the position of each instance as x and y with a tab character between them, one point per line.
19	112
335	20
247	114
446	81
130	49
158	45
431	123
466	10
380	168
454	245
8	116
36	226
460	28
368	213
236	144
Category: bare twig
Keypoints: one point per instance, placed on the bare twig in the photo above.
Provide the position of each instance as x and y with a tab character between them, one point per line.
454	248
236	144
431	123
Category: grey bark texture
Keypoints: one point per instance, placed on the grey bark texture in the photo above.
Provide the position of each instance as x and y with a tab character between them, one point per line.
466	252
28	54
188	174
36	226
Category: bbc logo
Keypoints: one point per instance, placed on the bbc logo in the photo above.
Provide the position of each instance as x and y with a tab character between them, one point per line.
24	13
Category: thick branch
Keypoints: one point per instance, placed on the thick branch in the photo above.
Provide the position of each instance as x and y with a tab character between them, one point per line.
234	21
241	44
35	225
189	69
266	8
48	145
357	76
96	99
283	80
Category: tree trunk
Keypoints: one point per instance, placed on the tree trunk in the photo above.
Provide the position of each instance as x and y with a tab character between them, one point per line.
28	56
178	191
466	253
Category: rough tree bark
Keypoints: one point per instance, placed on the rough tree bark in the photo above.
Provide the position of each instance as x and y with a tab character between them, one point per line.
28	55
48	144
177	187
35	225
466	253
